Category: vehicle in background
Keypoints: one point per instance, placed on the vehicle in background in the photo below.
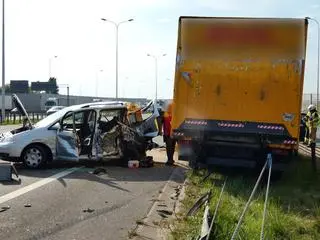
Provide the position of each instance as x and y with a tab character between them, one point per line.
97	100
238	90
54	109
50	102
94	131
59	101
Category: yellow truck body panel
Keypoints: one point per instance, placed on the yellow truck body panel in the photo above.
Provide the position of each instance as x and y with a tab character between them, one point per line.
240	69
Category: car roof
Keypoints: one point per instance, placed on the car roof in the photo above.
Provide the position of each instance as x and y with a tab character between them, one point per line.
99	105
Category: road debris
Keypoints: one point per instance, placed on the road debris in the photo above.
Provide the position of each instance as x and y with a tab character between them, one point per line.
162	205
202	200
5	208
166	212
99	171
147	162
140	222
27	205
88	210
162	215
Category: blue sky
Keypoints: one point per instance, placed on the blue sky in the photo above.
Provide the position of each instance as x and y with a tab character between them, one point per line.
37	30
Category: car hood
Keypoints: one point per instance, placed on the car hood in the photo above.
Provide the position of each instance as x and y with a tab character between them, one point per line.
21	108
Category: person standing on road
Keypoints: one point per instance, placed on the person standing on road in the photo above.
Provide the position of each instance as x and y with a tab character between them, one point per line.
167	138
313	124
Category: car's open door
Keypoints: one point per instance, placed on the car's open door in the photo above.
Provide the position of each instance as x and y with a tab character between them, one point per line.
67	138
149	125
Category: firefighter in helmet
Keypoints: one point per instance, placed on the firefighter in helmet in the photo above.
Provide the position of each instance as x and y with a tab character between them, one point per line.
313	121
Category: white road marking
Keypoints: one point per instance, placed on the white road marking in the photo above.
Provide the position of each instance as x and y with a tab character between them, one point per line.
36	185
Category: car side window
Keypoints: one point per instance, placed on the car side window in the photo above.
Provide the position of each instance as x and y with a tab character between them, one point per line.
109	114
67	122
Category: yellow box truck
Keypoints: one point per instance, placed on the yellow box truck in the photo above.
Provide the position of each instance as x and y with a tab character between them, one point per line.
238	89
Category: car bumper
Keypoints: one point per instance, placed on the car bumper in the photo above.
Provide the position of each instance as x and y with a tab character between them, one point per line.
6	151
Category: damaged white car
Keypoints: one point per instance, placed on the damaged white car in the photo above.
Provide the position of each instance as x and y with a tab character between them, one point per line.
94	131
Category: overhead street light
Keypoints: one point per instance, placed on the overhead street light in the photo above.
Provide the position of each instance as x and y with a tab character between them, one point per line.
317	22
156	69
117	24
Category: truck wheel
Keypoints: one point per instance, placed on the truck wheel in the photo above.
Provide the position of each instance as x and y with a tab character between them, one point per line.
34	156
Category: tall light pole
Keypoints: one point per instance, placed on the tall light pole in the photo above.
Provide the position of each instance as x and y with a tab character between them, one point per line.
316	21
3	110
50	63
156	69
117	24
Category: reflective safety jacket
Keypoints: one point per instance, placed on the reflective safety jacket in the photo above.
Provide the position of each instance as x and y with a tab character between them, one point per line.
313	119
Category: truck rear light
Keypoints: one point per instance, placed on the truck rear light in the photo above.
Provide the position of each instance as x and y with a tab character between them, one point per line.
270	127
232	125
197	122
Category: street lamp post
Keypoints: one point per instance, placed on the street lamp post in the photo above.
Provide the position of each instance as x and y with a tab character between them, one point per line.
3	111
156	69
50	63
117	43
317	22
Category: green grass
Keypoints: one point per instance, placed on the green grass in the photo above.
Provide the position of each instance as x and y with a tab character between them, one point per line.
17	122
293	207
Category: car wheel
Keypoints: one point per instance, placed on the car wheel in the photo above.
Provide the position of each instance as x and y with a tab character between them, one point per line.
34	156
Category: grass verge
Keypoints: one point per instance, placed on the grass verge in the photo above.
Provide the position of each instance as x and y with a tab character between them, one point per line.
293	207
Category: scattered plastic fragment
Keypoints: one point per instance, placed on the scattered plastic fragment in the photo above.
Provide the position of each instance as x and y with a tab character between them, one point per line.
88	210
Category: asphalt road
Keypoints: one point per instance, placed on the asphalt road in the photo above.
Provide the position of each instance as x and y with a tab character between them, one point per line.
68	201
